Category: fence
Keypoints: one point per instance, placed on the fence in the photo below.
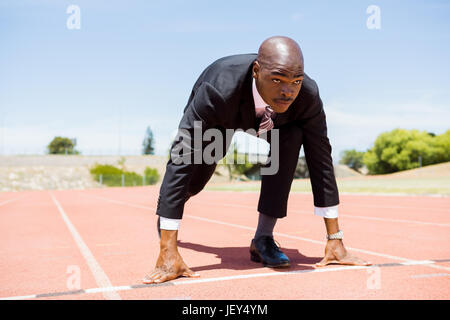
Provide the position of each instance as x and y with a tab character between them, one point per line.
126	180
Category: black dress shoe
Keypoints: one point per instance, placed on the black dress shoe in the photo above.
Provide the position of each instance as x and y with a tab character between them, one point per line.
264	249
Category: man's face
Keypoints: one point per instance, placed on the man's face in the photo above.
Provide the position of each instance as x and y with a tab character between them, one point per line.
278	85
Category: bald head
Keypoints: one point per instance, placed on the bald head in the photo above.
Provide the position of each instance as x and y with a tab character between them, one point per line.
280	51
278	72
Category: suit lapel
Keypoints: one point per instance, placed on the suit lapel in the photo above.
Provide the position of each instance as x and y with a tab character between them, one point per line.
247	105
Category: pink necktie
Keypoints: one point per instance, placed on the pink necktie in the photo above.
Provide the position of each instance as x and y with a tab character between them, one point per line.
266	121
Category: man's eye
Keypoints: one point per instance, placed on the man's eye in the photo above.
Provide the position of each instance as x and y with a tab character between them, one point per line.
276	80
298	81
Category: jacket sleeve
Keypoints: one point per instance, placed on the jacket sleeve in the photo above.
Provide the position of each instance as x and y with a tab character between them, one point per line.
199	115
318	156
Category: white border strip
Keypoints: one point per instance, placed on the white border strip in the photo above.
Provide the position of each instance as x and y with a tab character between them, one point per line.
100	276
209	280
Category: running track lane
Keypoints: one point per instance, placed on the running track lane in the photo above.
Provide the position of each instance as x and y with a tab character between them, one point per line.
117	225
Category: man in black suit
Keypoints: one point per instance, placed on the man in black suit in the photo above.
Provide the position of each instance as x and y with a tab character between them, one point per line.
270	94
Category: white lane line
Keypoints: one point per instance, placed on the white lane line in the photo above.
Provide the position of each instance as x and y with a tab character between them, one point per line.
409	263
394	194
428	263
351	204
33	296
181	298
359	194
196	281
268	274
430	275
394	207
107	289
435	266
398	220
10	200
100	276
341	215
209	280
276	233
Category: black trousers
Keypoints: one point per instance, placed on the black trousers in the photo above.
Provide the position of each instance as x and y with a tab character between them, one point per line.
275	188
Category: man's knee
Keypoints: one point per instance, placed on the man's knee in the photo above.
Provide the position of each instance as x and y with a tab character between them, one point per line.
193	190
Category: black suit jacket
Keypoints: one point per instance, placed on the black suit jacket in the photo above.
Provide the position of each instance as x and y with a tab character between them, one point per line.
222	98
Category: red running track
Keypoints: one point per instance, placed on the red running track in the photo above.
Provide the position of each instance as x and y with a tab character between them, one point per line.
99	244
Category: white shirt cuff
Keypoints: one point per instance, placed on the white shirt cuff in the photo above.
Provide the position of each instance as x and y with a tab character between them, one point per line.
169	224
327	212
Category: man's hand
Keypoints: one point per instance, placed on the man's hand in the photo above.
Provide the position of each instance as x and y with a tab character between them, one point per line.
169	265
335	252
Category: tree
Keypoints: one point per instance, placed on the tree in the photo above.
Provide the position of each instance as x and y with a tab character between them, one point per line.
352	158
441	145
148	144
402	149
61	145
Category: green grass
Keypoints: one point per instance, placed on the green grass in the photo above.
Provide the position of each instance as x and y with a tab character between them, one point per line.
438	185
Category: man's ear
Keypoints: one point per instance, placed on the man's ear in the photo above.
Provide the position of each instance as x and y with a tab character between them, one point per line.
255	69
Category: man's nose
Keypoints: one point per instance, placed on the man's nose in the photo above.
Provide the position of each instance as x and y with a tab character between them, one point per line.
287	92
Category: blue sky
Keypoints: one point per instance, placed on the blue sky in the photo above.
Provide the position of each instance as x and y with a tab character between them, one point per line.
132	64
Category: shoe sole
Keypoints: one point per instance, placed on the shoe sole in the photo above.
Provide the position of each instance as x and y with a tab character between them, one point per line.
257	258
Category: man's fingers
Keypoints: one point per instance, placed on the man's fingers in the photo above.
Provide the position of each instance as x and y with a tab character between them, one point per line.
191	274
351	261
158	277
153	274
324	262
147	280
327	259
359	262
166	277
152	277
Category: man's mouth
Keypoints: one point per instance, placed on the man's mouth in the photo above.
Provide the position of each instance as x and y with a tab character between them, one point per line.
283	101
